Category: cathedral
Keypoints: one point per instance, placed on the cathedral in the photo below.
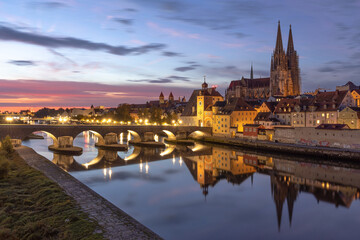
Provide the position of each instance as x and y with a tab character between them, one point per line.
284	77
284	70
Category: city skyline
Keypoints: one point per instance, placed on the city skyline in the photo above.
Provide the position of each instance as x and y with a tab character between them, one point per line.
77	53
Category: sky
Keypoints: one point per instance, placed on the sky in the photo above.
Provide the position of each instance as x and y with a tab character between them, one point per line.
83	52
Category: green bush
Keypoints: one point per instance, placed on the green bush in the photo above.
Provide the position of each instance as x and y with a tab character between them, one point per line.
6	145
4	167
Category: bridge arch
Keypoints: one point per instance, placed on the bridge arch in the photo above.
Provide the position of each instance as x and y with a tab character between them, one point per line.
136	152
170	135
96	160
100	139
198	134
136	136
55	140
208	122
168	150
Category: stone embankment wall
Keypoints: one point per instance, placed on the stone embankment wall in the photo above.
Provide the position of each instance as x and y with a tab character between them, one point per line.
344	138
297	149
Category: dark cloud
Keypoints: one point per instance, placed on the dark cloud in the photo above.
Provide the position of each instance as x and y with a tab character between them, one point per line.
184	69
22	62
169	79
187	68
62	56
130	10
124	21
235	12
173	6
171	54
344	67
47	5
9	34
185	79
326	69
355	55
239	35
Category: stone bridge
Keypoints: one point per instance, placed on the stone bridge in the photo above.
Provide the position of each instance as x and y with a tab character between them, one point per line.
21	131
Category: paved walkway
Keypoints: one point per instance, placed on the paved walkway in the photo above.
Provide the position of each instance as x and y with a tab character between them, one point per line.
115	223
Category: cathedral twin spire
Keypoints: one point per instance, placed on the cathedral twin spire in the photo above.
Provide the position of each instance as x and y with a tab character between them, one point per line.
279	45
290	48
285	72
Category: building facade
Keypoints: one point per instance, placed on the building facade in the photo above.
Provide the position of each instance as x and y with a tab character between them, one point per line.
198	110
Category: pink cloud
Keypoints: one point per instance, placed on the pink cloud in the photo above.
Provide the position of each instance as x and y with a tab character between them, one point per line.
35	93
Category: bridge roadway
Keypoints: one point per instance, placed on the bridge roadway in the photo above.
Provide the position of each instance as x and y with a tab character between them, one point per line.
21	131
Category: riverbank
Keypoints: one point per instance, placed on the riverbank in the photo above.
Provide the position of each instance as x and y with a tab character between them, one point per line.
115	223
293	149
34	207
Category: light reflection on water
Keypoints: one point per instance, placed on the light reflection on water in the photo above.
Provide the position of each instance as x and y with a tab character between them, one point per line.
205	192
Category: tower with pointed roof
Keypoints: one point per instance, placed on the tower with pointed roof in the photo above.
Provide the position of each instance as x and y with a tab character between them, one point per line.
171	97
161	98
284	70
251	73
204	85
293	65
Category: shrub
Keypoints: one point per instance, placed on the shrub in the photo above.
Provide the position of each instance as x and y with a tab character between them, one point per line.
4	167
6	145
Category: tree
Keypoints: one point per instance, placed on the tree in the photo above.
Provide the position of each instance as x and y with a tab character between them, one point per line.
155	114
144	113
122	113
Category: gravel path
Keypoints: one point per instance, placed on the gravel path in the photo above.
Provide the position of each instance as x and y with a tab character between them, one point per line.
115	223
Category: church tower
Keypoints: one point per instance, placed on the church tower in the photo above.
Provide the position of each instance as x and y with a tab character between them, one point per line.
171	97
284	70
293	64
161	98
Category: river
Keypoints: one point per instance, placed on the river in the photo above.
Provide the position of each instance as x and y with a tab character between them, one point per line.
213	192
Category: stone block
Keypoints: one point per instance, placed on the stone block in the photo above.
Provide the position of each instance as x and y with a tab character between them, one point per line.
65	141
149	137
111	138
181	135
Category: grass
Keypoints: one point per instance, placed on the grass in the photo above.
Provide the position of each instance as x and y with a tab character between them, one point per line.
34	207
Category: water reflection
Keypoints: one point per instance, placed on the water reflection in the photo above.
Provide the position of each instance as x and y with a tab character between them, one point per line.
331	184
219	173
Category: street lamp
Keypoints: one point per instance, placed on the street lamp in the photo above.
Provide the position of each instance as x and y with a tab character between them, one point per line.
9	119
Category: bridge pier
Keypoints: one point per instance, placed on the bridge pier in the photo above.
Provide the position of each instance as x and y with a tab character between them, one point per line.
110	141
149	137
147	140
64	144
181	135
